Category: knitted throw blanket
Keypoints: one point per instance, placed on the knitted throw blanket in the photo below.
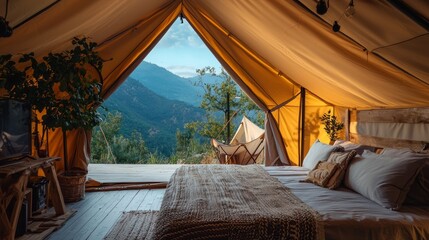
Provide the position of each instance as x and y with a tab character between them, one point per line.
232	202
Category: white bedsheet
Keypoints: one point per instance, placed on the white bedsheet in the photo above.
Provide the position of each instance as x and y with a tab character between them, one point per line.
349	215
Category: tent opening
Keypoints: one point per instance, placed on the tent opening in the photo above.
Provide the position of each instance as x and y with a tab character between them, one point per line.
148	119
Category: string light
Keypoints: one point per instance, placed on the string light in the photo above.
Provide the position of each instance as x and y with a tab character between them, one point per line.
350	11
322	7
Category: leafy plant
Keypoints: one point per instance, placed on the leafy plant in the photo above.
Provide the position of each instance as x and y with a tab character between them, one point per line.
65	87
332	125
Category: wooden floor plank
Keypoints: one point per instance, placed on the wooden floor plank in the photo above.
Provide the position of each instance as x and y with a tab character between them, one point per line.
149	202
138	199
82	218
158	199
85	229
99	211
91	201
110	219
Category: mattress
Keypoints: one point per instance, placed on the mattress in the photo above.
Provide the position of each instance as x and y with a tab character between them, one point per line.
349	215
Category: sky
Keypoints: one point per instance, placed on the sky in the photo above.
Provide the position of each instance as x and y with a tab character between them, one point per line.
181	51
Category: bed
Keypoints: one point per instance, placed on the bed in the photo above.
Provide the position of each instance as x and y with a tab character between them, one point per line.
349	215
255	202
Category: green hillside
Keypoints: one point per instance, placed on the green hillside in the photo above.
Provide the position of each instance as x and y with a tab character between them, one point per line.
154	116
166	84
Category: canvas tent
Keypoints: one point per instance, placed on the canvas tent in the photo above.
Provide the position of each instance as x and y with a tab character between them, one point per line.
282	54
245	147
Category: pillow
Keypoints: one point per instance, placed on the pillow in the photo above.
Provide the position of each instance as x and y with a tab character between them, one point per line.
342	159
321	174
419	190
383	179
397	151
318	152
348	146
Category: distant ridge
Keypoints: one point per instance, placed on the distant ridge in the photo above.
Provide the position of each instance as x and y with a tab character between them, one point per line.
167	84
155	117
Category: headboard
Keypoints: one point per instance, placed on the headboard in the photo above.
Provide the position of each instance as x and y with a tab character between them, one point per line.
395	128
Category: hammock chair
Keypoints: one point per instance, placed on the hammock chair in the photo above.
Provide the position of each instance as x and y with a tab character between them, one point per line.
245	147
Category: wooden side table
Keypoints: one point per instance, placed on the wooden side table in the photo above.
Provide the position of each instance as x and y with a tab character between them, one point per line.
13	186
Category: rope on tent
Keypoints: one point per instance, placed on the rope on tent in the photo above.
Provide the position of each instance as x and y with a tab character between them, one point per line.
109	149
226	124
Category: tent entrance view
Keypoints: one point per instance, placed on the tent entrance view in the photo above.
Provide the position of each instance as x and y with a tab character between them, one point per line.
245	147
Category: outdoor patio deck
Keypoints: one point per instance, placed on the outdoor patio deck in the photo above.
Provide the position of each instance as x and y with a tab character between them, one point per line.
131	173
98	212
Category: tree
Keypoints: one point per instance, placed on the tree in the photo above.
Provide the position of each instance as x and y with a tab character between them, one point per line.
108	146
101	151
223	101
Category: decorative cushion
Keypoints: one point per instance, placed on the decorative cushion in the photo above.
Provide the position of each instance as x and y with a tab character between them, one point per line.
342	159
318	152
321	174
383	179
419	190
348	146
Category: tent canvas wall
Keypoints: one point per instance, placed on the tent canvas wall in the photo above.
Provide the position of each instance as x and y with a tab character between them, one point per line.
282	54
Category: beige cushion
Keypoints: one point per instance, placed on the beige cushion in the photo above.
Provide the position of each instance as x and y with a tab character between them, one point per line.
383	179
318	152
321	174
342	159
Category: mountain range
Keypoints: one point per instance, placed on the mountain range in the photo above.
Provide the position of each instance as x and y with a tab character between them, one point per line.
168	85
156	103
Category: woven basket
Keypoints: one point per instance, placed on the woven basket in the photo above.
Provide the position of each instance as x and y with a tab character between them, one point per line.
72	185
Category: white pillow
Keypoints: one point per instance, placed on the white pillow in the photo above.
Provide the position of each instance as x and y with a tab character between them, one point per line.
383	179
419	190
318	152
349	146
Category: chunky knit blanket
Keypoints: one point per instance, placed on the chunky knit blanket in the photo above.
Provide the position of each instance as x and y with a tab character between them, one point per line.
232	202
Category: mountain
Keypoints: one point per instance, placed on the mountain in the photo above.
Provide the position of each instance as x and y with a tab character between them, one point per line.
167	84
155	117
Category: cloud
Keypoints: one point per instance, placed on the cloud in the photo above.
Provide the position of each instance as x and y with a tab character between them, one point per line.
183	71
180	36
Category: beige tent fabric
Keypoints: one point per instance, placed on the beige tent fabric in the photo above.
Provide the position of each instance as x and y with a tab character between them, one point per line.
125	30
246	131
271	48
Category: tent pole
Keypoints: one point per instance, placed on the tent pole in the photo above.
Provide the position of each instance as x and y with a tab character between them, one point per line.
302	127
228	130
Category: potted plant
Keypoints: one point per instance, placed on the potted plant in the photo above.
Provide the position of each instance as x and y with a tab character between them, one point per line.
74	104
65	88
332	126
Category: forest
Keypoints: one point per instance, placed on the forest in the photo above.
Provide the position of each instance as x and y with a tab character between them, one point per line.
141	127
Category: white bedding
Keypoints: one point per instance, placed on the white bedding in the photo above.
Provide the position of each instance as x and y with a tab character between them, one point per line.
349	215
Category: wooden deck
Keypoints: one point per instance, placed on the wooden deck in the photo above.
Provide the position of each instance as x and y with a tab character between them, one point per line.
98	212
131	173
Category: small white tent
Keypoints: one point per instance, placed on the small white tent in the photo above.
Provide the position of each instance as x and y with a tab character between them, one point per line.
246	146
